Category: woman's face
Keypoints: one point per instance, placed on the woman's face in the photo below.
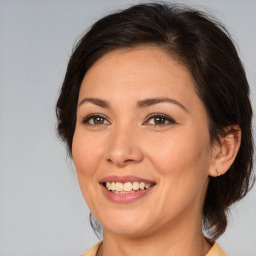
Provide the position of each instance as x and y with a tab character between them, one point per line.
142	131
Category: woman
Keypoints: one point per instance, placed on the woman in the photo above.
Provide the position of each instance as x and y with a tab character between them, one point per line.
155	112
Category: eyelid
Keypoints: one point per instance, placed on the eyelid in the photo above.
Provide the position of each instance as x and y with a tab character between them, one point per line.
85	120
167	117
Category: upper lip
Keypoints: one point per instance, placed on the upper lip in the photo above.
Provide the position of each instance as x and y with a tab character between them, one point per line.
127	178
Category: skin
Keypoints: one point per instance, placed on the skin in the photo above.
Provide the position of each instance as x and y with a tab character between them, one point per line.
175	153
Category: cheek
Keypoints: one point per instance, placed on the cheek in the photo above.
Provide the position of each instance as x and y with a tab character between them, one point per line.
85	154
177	154
183	164
86	158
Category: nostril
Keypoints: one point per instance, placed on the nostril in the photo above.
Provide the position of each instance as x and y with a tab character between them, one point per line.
129	161
120	162
123	150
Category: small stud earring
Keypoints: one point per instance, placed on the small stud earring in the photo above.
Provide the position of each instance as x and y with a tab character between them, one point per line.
218	172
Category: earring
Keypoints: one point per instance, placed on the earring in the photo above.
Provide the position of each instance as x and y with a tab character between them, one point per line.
218	172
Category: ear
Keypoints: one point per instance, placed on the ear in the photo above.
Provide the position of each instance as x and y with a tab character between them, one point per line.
224	153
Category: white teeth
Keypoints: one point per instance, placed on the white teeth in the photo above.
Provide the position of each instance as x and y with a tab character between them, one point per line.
147	185
127	186
119	186
113	186
142	185
136	185
108	185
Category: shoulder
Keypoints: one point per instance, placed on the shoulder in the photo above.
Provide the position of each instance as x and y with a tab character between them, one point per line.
93	250
216	251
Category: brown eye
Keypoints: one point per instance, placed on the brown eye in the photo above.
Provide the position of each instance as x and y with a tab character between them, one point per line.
159	120
98	120
95	119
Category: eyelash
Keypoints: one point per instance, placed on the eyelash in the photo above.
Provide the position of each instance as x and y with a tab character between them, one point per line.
92	116
148	118
162	116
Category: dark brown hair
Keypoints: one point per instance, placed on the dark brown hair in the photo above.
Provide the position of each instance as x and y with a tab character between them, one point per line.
204	46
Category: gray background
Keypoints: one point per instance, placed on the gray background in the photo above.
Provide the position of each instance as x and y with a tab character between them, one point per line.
41	209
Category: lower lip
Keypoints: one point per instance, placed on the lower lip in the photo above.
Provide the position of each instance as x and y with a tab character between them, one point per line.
125	197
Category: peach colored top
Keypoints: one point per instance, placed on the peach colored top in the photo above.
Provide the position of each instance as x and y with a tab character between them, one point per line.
215	250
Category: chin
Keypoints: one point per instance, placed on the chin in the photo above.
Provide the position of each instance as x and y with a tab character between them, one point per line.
127	225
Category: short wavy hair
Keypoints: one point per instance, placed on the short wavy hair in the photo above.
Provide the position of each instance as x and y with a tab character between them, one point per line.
204	46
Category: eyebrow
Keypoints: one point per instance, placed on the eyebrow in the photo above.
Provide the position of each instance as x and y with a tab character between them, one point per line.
95	101
140	104
153	101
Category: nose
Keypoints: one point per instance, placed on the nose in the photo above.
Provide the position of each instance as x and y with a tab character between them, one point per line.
123	147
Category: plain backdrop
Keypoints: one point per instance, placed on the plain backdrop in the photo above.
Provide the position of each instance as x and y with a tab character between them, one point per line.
42	212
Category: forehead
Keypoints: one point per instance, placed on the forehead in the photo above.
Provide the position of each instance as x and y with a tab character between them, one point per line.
144	70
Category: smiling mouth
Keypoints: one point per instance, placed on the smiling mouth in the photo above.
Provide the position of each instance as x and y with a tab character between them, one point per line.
127	187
